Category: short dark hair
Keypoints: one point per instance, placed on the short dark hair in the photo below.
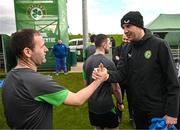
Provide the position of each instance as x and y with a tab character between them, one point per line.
92	38
100	38
21	39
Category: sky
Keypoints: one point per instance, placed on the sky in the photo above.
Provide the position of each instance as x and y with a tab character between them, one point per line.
103	15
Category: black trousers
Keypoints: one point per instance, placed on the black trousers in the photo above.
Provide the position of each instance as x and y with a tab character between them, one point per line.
143	118
178	121
107	120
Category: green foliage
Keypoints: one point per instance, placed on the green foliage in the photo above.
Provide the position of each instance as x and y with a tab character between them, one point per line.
117	37
3	124
69	117
71	36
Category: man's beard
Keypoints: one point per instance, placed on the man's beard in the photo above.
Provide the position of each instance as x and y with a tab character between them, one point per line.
106	51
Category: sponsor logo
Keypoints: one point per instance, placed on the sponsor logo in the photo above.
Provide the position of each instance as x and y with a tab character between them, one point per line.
126	21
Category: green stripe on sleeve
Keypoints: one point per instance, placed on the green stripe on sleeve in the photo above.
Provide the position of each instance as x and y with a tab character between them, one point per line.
55	99
113	110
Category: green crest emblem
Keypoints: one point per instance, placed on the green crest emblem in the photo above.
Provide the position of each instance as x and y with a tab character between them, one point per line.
36	11
148	54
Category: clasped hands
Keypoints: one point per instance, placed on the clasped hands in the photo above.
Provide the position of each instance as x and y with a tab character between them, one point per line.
100	73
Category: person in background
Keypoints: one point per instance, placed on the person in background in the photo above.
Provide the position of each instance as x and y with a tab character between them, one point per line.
28	97
150	72
119	54
102	112
178	74
90	50
113	44
60	52
120	50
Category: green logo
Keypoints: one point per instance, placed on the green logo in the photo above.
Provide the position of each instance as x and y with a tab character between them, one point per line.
36	11
148	54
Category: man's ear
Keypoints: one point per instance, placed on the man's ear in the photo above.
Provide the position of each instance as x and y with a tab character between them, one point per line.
104	44
27	52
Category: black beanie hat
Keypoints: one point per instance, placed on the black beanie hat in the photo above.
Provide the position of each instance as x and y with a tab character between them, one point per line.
134	18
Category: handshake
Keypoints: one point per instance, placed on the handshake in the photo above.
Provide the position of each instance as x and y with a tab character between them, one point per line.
100	73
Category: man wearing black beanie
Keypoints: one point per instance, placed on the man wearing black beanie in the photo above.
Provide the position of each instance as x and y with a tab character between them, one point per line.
134	18
149	71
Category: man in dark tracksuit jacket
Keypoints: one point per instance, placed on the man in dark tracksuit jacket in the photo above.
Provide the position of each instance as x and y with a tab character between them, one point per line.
150	74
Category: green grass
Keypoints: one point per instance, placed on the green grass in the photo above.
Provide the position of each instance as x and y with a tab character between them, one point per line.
3	124
68	117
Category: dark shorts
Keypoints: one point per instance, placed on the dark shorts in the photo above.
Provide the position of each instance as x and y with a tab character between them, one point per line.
107	120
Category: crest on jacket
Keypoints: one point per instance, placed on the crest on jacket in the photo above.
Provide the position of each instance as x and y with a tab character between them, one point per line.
147	54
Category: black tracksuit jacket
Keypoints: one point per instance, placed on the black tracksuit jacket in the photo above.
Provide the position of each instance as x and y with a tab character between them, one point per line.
148	69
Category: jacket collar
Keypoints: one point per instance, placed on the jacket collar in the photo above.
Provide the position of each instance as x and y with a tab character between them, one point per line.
148	34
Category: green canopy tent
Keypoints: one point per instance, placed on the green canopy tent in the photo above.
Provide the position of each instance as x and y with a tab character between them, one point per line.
167	26
165	23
